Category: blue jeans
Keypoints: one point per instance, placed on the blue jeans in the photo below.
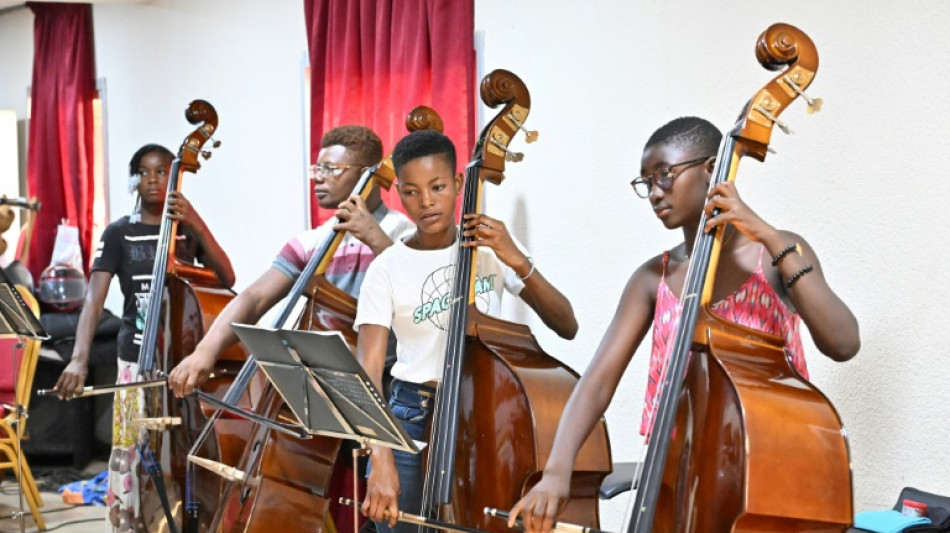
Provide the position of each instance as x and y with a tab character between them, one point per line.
412	404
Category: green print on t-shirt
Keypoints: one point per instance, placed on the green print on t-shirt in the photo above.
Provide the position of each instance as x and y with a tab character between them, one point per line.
439	303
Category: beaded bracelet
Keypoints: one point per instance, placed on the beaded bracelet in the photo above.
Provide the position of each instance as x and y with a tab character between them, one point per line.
794	277
528	275
785	251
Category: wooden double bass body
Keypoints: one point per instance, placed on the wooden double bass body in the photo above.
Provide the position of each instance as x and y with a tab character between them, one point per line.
501	396
185	300
289	480
741	442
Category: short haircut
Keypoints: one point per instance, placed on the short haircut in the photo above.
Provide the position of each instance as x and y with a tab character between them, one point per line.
421	144
136	161
360	140
689	133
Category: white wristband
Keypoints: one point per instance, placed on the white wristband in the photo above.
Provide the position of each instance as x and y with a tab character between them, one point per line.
528	275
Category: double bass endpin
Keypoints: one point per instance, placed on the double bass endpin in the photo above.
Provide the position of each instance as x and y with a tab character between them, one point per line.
814	104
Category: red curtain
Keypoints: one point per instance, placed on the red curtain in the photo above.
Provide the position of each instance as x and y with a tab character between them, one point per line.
371	61
60	158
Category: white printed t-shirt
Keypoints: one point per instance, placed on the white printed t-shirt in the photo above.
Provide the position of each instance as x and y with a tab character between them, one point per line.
408	290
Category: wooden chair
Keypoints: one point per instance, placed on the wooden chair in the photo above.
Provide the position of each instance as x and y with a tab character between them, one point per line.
16	391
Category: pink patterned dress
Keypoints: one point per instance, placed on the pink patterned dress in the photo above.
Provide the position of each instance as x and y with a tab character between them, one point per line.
755	305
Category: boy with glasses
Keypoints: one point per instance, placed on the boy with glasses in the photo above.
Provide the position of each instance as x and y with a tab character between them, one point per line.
370	228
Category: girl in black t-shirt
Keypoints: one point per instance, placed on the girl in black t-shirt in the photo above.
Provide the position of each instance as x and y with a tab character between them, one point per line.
127	250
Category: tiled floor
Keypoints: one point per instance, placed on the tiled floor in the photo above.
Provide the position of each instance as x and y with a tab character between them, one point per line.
58	516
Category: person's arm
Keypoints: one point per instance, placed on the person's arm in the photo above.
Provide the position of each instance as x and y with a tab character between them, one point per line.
589	400
213	256
357	220
548	302
73	378
382	487
246	308
833	326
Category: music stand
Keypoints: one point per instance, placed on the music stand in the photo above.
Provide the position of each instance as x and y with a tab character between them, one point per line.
16	318
326	389
324	386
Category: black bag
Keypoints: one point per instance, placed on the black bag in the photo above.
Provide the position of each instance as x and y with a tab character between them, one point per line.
938	510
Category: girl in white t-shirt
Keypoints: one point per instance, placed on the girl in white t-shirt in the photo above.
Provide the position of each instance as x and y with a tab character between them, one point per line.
407	288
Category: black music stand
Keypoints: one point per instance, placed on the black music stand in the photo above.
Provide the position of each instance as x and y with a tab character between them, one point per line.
16	318
327	389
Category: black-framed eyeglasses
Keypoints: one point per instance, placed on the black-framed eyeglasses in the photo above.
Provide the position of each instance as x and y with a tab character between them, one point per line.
325	170
662	177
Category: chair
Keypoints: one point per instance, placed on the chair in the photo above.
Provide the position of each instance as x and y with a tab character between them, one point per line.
16	391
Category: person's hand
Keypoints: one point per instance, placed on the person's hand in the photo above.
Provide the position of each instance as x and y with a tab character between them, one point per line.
72	380
381	503
540	507
180	209
356	219
734	211
487	231
191	372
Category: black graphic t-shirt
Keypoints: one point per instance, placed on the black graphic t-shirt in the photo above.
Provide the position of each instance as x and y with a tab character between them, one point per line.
127	250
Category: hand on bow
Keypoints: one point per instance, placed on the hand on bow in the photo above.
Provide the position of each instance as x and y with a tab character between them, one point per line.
381	503
72	380
192	371
734	211
540	507
490	232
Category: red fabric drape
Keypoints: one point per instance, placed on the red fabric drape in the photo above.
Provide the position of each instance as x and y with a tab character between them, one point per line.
371	61
60	158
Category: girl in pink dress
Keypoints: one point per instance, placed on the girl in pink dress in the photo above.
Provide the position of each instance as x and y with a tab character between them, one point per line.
767	279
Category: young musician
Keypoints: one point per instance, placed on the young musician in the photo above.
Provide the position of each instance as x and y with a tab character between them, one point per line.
405	290
767	279
370	228
127	250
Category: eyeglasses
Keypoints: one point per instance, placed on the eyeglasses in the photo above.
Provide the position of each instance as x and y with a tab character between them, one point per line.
325	170
662	177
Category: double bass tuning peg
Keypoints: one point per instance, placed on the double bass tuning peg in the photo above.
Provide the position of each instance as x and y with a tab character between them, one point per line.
814	104
768	114
513	157
206	154
530	135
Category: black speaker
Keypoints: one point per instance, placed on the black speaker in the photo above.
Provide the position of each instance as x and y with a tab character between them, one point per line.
68	428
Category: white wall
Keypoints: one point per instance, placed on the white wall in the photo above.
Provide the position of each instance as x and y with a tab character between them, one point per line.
862	180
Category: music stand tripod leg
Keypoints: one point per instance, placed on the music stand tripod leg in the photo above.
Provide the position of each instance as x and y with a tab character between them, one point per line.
363	451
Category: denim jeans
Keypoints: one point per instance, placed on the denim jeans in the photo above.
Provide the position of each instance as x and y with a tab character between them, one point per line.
412	405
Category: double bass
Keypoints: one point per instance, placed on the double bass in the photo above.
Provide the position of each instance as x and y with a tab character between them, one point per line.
286	479
501	397
184	300
740	441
